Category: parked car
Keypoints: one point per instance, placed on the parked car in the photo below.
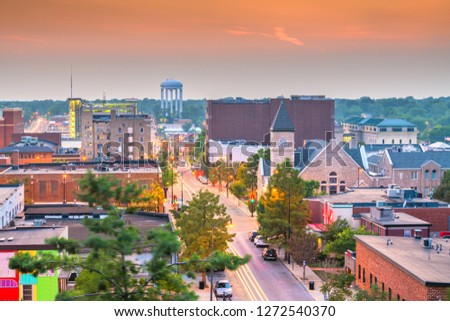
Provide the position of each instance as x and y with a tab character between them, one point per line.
269	254
223	288
260	242
252	235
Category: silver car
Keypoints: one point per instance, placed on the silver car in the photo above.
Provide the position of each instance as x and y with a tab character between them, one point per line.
223	288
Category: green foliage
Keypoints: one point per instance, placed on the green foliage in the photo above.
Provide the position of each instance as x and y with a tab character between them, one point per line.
442	192
426	113
238	189
283	200
107	272
203	225
169	176
311	188
333	229
345	240
187	126
337	287
374	294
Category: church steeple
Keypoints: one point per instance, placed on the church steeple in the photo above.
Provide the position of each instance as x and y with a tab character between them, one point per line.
282	135
282	122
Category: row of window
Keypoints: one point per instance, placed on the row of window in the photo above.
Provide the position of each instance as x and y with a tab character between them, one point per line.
400	141
415	175
373	280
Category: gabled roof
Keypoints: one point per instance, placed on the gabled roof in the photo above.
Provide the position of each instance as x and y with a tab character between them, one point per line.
395	123
282	122
355	154
417	159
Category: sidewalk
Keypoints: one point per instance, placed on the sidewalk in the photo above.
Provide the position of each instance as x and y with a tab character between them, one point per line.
312	283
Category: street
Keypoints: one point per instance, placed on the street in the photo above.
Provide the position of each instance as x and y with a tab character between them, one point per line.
258	280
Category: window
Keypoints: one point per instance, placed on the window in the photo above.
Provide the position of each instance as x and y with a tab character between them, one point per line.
393	141
389	294
27	292
414	175
376	280
410	141
333	178
359	272
382	141
142	130
407	233
370	279
364	275
120	130
342	186
382	286
433	175
427	174
398	297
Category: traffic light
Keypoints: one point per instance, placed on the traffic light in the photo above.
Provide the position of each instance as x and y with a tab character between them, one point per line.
252	197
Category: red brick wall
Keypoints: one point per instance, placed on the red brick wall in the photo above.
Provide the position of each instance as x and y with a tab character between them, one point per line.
438	217
44	188
311	119
400	283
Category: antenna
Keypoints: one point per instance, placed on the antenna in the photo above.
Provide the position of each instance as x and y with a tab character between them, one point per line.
71	83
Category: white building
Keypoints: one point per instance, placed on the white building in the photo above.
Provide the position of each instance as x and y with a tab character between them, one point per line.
11	203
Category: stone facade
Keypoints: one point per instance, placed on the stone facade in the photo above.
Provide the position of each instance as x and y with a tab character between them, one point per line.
281	147
336	171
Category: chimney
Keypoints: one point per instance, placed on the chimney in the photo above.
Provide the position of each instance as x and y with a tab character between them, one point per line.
15	159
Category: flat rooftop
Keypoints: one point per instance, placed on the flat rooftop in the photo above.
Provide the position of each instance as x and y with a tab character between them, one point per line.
368	195
408	255
400	219
30	237
80	171
6	191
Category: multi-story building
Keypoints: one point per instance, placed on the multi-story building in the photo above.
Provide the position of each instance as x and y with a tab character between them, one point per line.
250	120
420	171
11	122
112	130
372	130
405	269
11	203
16	286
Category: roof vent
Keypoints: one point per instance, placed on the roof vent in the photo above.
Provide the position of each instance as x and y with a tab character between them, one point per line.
427	243
2	239
10	239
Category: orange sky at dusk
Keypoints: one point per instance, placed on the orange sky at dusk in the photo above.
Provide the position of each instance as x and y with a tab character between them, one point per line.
224	48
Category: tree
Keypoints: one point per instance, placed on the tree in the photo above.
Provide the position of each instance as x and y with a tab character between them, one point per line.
374	294
238	189
332	230
285	212
337	287
442	192
187	127
150	200
169	176
303	247
310	188
107	273
203	227
345	240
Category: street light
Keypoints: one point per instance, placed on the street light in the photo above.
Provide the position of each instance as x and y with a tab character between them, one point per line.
64	180
289	225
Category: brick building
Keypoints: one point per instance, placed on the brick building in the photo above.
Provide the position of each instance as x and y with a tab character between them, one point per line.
384	221
127	135
52	184
403	268
420	171
351	205
28	154
250	120
11	122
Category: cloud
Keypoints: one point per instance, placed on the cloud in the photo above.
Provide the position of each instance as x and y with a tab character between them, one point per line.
279	33
21	38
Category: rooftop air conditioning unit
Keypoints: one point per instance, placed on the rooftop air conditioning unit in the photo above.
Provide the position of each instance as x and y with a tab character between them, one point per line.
427	243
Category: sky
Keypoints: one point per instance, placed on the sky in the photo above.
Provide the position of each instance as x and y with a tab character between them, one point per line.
224	48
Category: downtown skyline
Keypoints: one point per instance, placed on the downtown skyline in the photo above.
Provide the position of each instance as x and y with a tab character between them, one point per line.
252	49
